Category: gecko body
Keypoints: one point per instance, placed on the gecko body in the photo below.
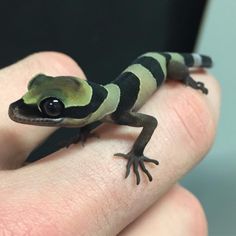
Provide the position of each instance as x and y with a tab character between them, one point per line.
66	101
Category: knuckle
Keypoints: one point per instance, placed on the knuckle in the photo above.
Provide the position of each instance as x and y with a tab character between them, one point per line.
191	211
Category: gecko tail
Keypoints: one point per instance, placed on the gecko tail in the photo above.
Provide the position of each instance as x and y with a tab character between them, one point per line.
197	60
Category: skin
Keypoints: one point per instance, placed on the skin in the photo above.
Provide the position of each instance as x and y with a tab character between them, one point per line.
80	191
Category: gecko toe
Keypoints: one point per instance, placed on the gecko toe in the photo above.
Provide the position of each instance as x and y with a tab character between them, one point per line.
144	169
129	164
146	159
135	167
121	155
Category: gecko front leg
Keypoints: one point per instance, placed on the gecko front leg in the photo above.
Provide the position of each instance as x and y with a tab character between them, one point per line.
136	157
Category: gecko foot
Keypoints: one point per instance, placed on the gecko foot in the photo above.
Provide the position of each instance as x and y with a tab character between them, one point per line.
136	161
196	85
82	137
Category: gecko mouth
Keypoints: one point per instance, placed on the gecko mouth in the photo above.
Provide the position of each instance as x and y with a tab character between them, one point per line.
28	114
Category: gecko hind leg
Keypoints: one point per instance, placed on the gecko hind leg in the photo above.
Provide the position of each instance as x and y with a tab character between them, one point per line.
82	136
189	81
85	133
179	71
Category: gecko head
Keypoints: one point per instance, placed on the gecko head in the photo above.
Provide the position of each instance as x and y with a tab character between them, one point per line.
53	101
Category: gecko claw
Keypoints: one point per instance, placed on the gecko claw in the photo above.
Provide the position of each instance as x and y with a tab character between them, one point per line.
201	87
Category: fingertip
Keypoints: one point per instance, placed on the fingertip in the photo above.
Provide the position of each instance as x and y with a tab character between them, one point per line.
56	63
214	96
197	113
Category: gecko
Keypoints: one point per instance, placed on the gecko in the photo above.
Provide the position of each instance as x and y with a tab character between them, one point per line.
68	101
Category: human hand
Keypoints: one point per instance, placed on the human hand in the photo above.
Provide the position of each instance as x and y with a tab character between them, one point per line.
82	191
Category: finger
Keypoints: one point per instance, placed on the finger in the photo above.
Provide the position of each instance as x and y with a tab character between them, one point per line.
87	184
17	140
178	212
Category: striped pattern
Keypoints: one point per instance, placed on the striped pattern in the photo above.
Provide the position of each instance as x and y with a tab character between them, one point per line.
140	80
189	59
109	105
99	95
86	102
148	72
128	84
131	89
147	84
151	64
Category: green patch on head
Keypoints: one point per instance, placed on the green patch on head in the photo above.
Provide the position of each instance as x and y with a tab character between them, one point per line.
71	91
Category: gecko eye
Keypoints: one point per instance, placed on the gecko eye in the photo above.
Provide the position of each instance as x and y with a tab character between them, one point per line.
51	107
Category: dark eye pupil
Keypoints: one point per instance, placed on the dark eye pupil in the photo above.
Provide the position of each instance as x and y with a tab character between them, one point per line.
52	107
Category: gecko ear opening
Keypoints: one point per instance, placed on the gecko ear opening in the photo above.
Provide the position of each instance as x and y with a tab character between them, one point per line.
52	107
